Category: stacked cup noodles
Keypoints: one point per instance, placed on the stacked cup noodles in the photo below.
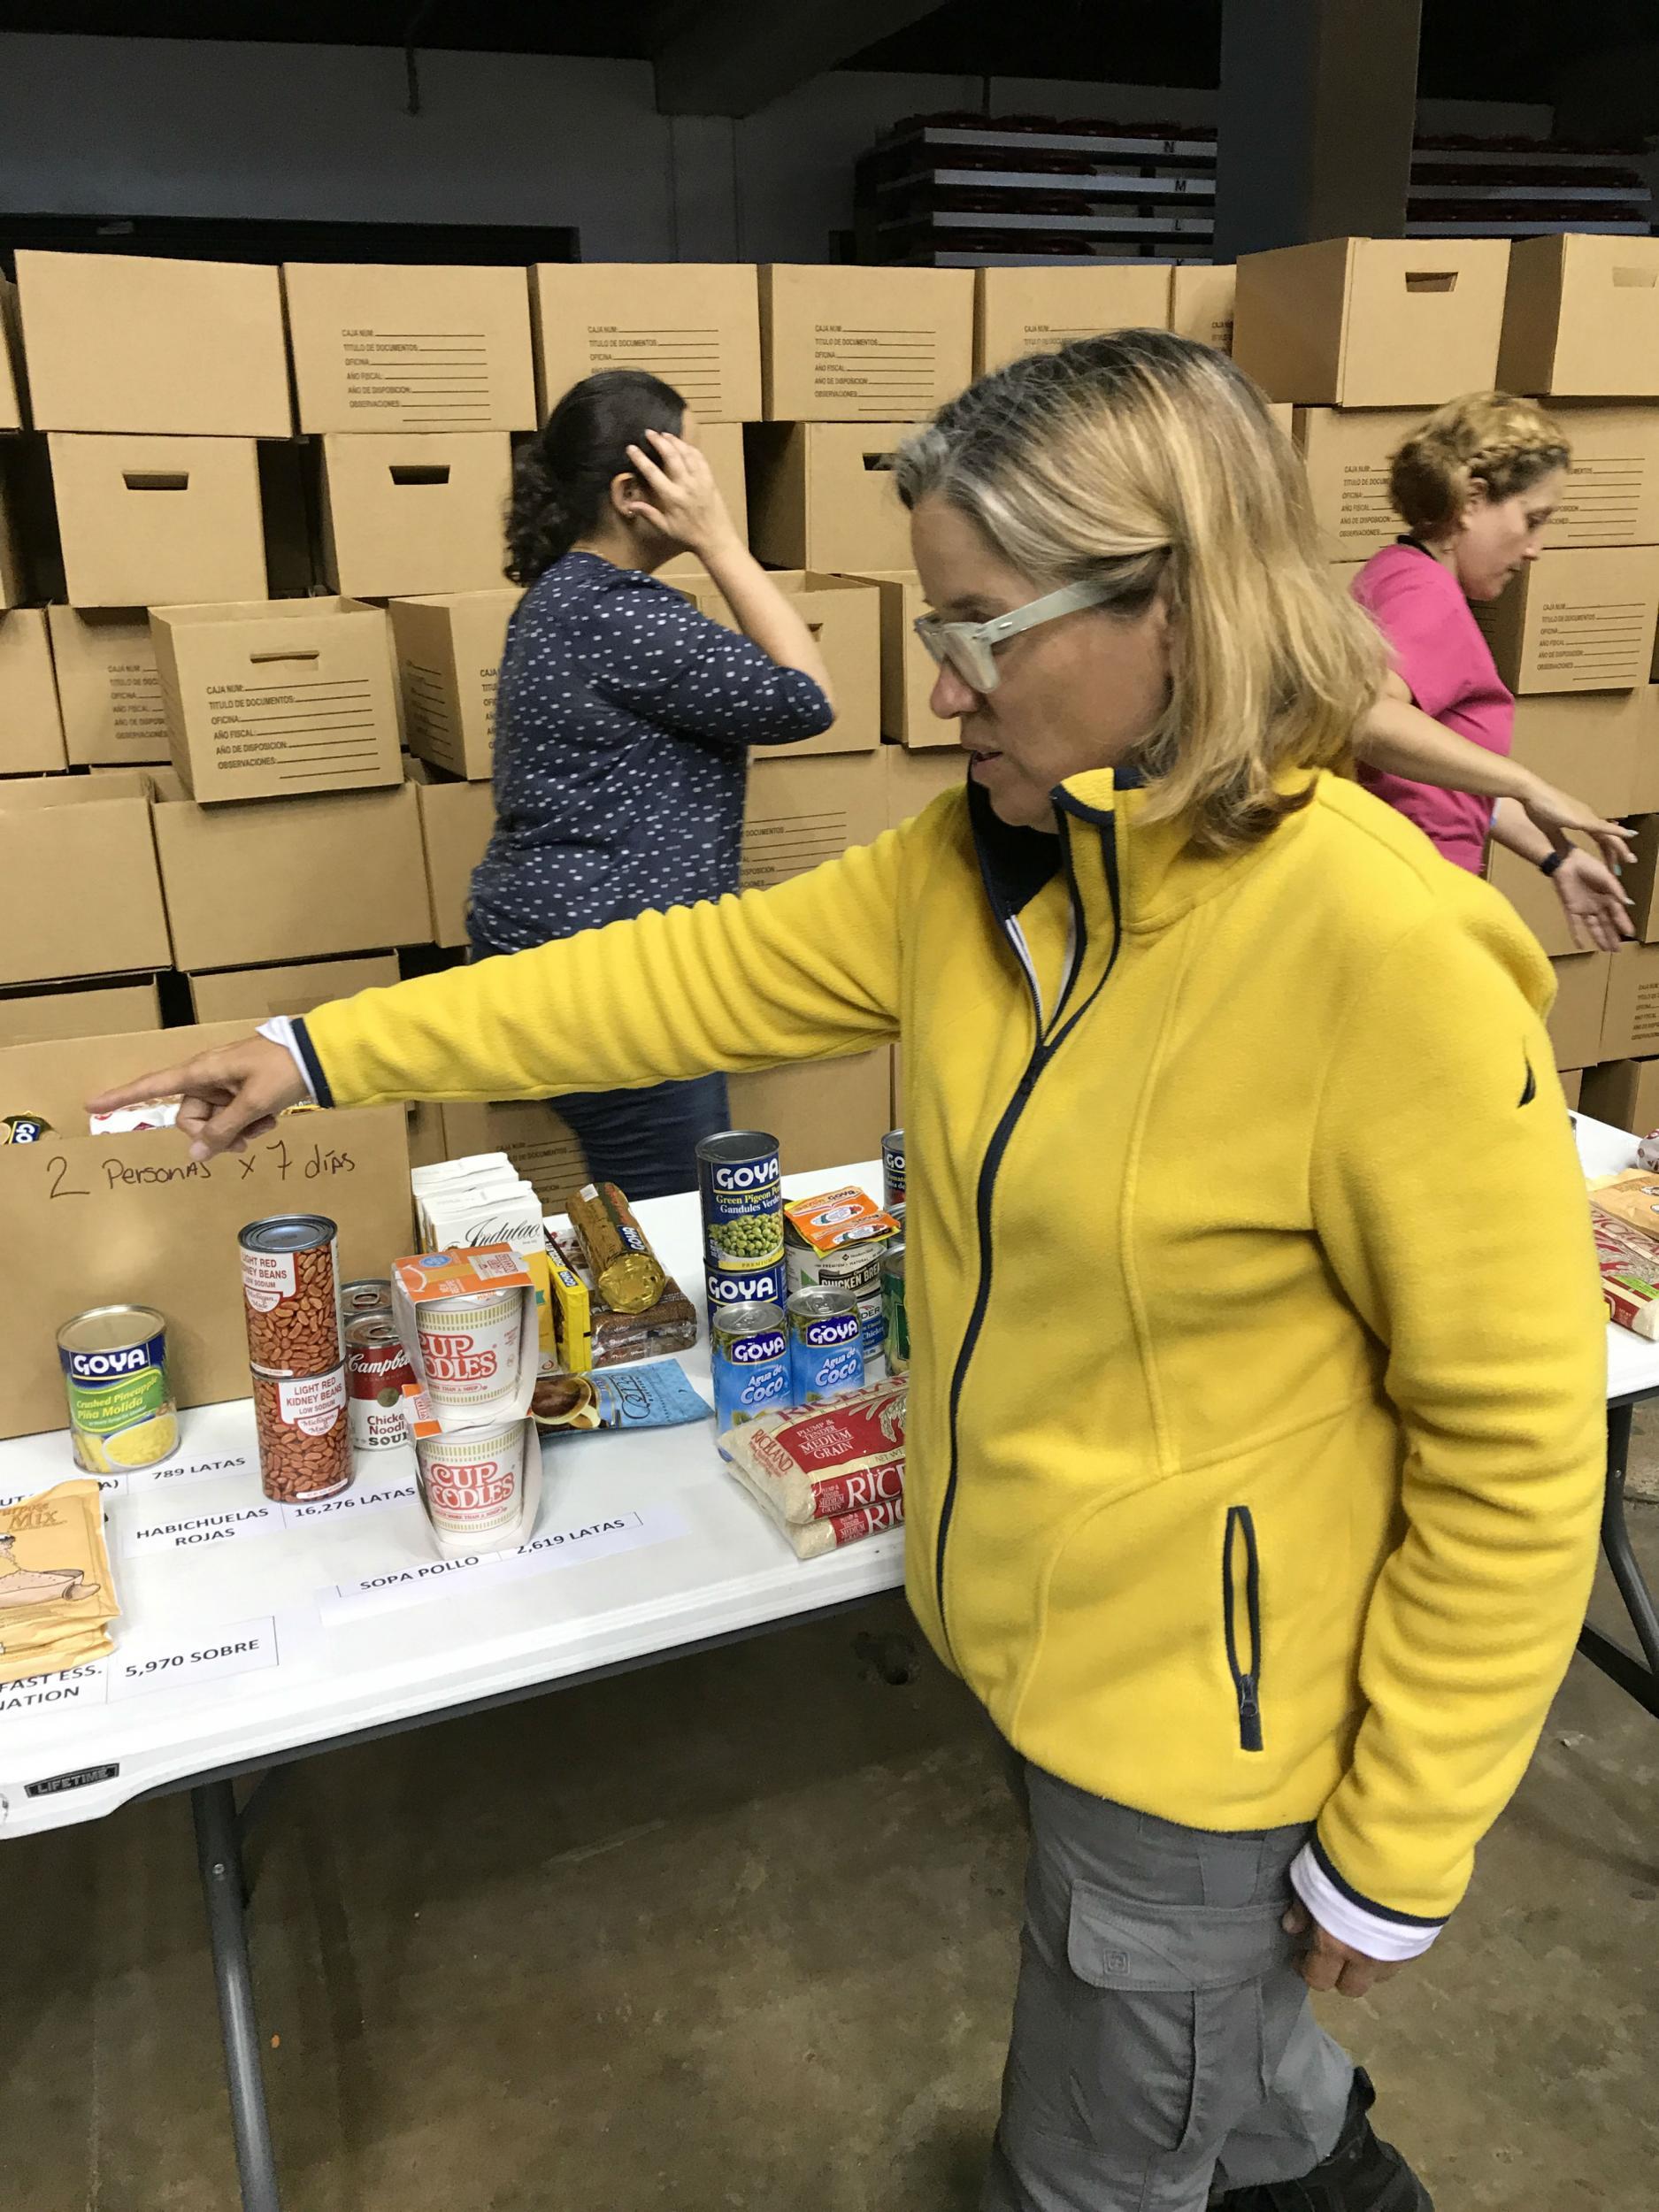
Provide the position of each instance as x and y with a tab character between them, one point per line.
297	1352
468	1319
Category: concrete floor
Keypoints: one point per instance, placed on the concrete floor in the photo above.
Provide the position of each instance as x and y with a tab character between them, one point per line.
738	1935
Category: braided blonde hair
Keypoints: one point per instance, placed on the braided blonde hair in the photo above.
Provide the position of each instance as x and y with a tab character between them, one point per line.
1485	438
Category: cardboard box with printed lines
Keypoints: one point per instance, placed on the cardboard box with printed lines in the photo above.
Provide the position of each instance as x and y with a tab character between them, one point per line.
852	344
916	778
1371	322
695	324
1622	1093
1591	743
802	813
114	715
722	446
1036	310
275	697
1580	620
386	346
1630	1028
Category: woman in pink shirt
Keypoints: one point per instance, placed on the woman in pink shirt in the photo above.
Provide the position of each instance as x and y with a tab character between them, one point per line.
1476	485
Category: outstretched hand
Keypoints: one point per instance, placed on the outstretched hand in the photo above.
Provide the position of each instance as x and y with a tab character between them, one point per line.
1556	813
230	1095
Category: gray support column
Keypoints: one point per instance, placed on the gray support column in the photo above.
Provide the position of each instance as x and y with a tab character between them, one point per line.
1318	105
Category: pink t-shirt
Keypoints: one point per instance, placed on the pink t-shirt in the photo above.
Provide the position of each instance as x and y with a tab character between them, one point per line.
1437	648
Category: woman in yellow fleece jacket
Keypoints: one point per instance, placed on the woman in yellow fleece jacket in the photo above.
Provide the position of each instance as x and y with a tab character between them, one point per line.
1255	1425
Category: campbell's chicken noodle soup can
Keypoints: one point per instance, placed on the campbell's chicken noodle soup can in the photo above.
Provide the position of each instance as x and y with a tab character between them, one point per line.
469	1349
892	1172
304	1434
290	1287
370	1294
376	1369
473	1483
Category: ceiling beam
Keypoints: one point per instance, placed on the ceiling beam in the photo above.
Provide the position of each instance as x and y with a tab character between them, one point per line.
732	57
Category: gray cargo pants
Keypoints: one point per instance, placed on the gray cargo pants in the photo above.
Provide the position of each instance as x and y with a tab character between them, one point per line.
1162	2039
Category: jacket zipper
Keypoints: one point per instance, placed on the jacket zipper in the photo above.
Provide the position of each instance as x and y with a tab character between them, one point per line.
1042	1052
1246	1681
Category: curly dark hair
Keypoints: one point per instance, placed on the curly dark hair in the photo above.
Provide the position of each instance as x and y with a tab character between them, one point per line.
563	476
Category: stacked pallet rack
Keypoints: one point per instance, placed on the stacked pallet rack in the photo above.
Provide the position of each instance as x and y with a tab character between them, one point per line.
958	190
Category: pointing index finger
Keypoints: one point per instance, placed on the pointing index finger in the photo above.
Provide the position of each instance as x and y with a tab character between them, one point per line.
145	1089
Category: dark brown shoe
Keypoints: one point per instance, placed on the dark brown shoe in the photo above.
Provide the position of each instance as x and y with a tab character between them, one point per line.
1363	2174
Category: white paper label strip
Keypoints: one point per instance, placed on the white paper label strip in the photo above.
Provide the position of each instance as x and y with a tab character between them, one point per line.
208	1655
197	1531
57	1693
364	1499
554	1547
199	1467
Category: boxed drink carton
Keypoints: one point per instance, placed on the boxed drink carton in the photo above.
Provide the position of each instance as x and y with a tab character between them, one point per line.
272	698
1582	317
456	823
255	994
144	521
1371	322
1582	996
31	726
474	1365
336	873
410	514
800	813
114	715
1036	310
1580	620
856	344
177	348
79	894
695	324
823	496
40	1017
449	652
398	346
722	446
1201	302
844	615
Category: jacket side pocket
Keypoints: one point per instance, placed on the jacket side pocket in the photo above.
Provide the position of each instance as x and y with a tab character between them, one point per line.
1241	1621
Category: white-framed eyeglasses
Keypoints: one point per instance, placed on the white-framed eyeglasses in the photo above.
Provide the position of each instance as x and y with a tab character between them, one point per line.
970	647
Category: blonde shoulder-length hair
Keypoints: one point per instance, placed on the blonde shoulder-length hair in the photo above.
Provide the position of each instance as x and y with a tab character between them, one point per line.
1150	463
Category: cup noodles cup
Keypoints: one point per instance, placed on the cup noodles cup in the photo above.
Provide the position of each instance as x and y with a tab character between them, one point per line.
473	1484
467	1317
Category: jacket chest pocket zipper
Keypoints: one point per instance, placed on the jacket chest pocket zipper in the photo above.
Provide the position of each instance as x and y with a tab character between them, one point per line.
1241	1621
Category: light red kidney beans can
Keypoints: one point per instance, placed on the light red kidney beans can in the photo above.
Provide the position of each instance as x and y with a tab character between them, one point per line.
290	1287
377	1368
305	1435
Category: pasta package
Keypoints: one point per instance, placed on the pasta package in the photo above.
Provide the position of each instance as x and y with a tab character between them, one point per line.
1629	1261
828	1462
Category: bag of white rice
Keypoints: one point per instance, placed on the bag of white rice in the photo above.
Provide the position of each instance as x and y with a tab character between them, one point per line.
844	1457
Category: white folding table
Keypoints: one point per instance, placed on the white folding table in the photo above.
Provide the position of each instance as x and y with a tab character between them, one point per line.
252	1636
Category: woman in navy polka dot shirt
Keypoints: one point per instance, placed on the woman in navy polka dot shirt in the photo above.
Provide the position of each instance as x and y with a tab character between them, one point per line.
624	719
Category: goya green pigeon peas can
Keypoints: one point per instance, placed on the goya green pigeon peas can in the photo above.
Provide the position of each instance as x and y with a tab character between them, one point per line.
740	1185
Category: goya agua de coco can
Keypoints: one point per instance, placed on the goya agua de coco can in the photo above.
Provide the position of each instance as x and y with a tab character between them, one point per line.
738	1184
827	1351
121	1412
748	1358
